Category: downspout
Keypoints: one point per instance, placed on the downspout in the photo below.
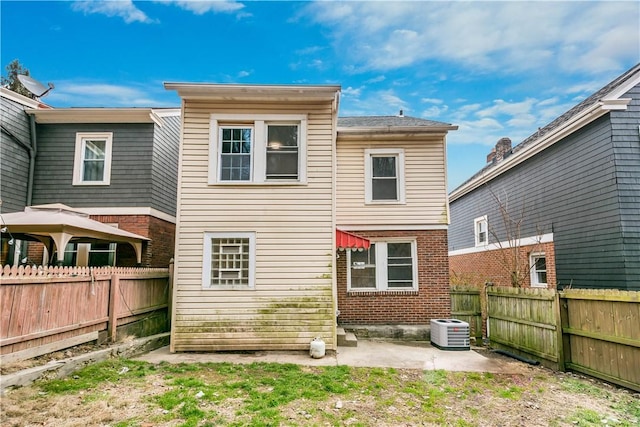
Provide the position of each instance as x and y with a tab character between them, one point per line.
33	151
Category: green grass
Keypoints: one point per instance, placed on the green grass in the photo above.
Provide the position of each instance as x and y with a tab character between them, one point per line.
94	375
270	394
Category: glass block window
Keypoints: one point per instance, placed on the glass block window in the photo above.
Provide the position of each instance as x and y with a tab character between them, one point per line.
229	262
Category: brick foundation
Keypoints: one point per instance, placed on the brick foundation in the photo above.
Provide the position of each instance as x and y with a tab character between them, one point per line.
431	300
489	266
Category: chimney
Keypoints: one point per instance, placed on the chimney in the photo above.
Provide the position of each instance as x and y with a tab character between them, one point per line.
491	156
502	147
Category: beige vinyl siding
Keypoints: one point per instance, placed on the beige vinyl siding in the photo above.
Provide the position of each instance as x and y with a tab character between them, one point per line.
292	301
425	185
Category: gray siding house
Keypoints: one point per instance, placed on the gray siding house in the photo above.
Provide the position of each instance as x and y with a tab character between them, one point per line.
119	165
15	150
568	197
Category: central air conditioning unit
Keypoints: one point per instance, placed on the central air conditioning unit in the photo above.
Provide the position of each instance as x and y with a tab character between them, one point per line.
450	334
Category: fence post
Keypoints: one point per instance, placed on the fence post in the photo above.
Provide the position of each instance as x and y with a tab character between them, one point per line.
565	339
557	307
170	298
114	288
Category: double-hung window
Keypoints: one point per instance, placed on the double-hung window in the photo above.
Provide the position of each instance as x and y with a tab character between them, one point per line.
229	261
385	266
538	269
258	149
92	164
384	176
481	230
90	254
282	151
235	153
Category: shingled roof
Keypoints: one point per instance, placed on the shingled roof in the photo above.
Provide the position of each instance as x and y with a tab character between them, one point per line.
387	121
540	134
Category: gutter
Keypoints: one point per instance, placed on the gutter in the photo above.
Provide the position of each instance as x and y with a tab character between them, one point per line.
33	151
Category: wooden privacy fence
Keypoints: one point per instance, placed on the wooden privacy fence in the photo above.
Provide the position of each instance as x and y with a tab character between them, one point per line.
45	309
601	334
466	306
525	320
596	332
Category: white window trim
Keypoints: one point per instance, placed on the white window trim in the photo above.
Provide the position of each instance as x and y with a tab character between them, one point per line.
532	270
368	175
251	154
78	163
206	259
476	235
381	267
259	124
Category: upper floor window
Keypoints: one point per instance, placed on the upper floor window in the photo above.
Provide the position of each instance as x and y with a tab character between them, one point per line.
538	268
282	151
481	227
385	266
384	176
235	153
258	149
92	164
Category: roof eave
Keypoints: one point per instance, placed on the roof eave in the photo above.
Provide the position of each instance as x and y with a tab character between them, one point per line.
231	92
92	115
394	132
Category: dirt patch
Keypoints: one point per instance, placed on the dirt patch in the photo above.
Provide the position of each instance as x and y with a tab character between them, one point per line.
144	395
9	368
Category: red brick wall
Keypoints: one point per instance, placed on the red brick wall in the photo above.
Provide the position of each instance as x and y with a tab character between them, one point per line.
489	266
431	300
155	253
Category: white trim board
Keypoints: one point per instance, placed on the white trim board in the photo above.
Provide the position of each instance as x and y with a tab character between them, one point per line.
524	241
130	211
387	227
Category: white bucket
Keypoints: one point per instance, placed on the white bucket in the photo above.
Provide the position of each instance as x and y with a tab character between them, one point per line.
317	348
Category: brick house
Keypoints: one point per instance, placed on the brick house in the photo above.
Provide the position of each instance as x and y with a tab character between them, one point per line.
292	220
562	206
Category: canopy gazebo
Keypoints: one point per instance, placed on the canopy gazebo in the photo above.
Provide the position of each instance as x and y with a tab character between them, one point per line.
56	225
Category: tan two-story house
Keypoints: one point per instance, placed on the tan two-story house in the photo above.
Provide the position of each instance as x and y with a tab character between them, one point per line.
291	221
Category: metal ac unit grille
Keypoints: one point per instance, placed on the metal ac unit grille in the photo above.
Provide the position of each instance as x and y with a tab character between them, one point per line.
450	334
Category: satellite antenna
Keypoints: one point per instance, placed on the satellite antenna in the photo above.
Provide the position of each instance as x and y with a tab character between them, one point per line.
35	87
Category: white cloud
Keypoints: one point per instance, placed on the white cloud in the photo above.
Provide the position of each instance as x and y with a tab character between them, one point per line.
92	94
374	103
200	7
376	79
244	73
434	111
351	92
124	9
501	107
484	37
432	101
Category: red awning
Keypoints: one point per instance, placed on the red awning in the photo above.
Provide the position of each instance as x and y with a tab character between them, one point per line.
346	240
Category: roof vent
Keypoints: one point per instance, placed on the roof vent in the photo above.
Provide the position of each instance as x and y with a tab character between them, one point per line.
401	113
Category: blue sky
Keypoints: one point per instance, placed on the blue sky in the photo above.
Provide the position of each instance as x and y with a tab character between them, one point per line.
493	68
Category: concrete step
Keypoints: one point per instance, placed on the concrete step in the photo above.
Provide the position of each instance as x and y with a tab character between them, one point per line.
346	339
